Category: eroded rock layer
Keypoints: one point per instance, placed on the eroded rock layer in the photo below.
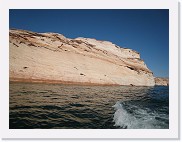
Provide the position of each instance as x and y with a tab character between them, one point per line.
51	57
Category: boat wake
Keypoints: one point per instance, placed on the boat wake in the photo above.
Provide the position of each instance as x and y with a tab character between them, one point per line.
129	116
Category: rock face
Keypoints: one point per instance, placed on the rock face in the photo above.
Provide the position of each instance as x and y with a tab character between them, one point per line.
51	57
161	81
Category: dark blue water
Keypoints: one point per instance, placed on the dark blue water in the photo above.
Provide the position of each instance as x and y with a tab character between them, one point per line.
54	106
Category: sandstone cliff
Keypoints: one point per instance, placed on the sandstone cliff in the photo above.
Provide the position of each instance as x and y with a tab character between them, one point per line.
51	57
161	81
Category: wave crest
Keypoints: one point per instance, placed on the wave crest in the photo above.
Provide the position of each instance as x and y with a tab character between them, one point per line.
129	116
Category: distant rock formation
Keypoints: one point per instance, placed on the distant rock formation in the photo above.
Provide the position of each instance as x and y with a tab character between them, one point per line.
161	81
53	58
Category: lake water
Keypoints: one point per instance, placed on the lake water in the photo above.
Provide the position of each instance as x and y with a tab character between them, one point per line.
55	106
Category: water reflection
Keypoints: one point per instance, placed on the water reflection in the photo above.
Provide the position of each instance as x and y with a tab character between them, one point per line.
68	106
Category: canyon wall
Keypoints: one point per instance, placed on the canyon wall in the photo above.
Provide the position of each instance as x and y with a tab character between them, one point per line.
53	58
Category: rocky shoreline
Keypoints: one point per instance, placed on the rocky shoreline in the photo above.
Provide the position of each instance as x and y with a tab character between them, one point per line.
25	80
159	81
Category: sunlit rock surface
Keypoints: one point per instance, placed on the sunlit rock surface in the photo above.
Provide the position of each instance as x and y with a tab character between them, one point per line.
53	58
161	81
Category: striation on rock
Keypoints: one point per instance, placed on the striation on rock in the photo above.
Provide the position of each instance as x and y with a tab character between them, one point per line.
51	57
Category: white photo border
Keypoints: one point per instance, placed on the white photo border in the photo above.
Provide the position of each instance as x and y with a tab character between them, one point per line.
171	133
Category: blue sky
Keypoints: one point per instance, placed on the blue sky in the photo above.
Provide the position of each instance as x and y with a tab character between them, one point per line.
146	31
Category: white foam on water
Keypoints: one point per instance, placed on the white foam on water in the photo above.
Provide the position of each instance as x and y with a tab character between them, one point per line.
140	119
